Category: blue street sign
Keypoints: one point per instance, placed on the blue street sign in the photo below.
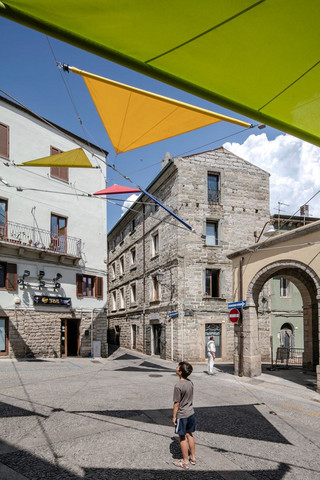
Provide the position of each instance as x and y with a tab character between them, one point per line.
237	304
173	314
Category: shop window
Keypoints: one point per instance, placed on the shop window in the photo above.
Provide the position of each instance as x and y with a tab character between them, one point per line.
4	334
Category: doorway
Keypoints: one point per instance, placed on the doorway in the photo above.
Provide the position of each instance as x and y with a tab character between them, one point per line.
134	336
156	330
215	330
70	337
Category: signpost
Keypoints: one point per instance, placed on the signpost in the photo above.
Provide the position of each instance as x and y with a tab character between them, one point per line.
241	304
234	315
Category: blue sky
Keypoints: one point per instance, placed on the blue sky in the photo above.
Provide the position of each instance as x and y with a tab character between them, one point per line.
30	74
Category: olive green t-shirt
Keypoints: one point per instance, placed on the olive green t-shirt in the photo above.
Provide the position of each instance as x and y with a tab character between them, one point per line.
183	393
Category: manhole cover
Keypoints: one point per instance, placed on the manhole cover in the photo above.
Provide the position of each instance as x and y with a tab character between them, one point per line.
155	375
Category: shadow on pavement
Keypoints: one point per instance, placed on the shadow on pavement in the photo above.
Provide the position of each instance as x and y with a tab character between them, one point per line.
7	411
293	374
244	421
24	463
127	356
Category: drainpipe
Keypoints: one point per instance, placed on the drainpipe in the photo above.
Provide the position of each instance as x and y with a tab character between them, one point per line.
241	321
92	354
144	278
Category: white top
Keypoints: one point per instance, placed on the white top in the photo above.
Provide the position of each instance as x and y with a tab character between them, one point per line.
211	346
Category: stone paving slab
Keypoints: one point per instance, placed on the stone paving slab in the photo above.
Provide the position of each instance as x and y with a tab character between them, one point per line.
111	418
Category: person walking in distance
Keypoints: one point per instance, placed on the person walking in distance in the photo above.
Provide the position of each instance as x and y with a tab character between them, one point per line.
211	348
183	416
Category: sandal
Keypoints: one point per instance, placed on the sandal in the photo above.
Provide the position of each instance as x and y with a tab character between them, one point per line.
181	464
192	461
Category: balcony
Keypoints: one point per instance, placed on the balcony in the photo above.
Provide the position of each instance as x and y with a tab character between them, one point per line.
17	234
213	195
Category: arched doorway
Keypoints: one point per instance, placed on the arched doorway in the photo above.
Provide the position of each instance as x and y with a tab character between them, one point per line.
287	339
248	357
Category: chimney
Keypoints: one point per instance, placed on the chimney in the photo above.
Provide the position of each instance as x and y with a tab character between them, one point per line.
304	211
166	159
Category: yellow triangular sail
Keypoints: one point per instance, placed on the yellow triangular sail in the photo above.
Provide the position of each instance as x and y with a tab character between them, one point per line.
73	158
134	118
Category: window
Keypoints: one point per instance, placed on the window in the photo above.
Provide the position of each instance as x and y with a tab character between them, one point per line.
211	233
156	207
58	233
133	225
133	293
3	336
213	188
112	245
4	140
89	286
212	283
114	300
284	287
155	288
155	245
121	236
133	256
113	270
3	218
8	276
121	265
61	173
122	299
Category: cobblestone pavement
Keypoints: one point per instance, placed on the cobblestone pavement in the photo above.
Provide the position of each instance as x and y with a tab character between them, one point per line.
110	418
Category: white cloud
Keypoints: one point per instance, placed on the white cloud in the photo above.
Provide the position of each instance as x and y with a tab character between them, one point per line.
294	166
128	203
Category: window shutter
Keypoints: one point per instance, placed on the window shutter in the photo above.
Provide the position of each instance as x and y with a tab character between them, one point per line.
98	287
11	279
59	172
4	140
79	285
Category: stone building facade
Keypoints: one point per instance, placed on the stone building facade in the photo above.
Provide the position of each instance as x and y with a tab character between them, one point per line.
52	243
169	288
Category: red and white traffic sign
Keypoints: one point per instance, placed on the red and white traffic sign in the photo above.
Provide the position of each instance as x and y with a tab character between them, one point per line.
234	315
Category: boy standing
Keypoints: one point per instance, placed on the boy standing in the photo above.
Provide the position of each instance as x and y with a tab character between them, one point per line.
183	416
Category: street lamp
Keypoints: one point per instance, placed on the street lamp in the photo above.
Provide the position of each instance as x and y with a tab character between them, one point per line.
268	233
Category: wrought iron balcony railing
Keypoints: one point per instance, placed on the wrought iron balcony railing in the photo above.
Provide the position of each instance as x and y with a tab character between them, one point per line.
213	196
33	237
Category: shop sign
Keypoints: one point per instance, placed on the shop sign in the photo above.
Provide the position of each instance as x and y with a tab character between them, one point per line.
55	301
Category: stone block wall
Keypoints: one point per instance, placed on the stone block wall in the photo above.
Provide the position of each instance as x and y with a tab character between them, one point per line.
183	256
37	334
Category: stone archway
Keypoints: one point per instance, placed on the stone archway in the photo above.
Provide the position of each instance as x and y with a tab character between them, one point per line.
307	281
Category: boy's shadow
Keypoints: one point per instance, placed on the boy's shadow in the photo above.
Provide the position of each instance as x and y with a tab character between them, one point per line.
175	449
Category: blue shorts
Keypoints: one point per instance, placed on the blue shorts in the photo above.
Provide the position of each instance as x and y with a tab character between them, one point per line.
185	425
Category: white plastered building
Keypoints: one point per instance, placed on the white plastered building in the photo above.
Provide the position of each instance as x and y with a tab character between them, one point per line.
52	243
